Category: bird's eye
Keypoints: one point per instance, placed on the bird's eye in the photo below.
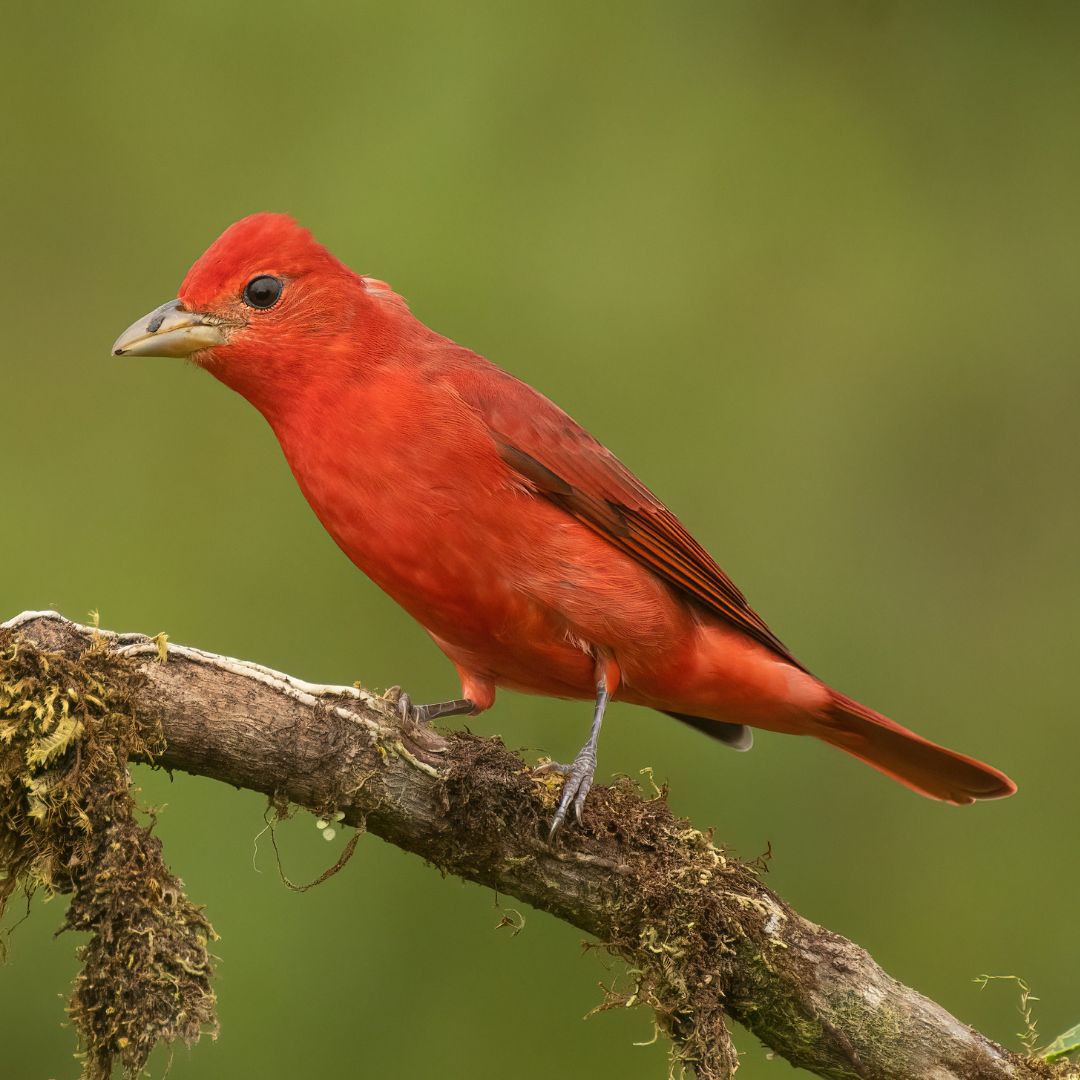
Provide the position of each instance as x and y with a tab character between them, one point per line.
263	291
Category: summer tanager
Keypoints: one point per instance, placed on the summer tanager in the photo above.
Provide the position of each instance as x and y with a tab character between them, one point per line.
530	554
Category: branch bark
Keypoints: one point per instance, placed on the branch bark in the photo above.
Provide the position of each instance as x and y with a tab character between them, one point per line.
709	939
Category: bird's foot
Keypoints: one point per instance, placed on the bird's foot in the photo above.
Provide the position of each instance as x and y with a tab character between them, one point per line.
422	740
579	775
579	779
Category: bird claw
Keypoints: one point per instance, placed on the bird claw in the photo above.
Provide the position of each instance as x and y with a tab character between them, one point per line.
417	735
579	779
409	713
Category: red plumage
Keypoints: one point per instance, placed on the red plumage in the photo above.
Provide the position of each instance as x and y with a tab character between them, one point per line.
532	556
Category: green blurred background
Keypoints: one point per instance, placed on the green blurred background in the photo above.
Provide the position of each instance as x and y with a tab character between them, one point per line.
810	269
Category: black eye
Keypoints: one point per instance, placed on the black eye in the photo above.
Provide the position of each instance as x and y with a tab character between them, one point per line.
263	291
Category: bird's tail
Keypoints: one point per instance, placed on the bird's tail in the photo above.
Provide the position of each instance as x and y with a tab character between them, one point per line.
916	762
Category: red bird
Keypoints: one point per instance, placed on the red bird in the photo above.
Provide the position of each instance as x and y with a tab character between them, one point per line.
532	556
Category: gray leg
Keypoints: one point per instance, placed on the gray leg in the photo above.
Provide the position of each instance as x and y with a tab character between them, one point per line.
579	775
424	714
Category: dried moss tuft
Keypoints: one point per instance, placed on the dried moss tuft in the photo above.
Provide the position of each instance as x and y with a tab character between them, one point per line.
69	824
660	912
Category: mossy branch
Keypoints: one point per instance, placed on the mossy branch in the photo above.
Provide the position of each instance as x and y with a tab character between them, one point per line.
703	936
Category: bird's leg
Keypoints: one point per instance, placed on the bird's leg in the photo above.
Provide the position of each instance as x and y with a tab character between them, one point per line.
423	714
579	775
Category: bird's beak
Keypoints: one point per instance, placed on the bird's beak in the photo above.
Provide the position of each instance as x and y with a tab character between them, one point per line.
170	330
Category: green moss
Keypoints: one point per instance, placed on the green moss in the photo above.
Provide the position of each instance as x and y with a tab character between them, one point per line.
69	824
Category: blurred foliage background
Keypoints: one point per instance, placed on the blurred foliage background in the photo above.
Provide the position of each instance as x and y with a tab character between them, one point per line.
809	269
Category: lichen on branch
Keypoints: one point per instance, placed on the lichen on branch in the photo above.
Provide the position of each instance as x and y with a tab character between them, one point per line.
69	824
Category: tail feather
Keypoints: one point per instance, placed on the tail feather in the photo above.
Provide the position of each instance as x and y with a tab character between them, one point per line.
916	762
737	736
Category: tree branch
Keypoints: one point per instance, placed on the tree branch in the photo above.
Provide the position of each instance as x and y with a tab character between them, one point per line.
707	936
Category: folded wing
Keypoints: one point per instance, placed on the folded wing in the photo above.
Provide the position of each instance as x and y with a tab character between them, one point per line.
564	463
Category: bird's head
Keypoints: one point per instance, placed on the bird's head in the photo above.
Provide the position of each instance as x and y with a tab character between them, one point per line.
264	306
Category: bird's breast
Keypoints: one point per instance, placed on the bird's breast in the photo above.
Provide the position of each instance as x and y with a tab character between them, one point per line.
413	491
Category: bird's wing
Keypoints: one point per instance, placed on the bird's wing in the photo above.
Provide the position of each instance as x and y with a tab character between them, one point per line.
564	463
